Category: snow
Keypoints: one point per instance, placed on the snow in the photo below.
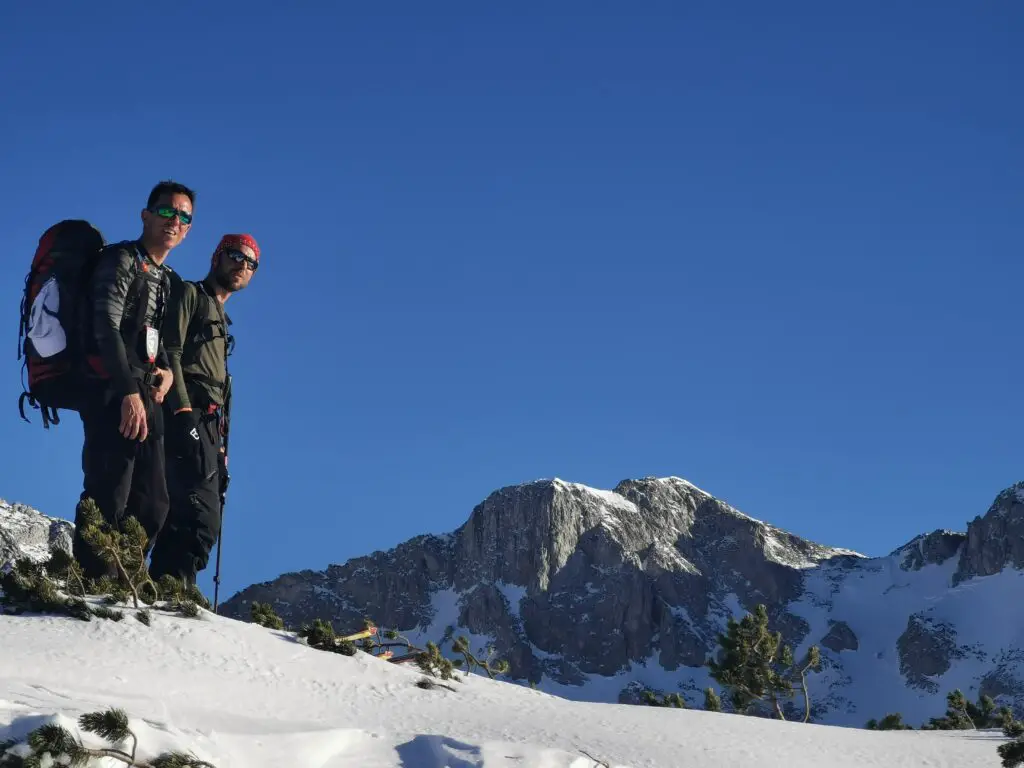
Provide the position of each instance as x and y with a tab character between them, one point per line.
238	695
680	481
514	594
669	555
876	598
610	499
776	552
444	611
610	503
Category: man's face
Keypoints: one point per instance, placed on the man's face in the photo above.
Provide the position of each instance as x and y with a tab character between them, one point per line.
162	225
233	272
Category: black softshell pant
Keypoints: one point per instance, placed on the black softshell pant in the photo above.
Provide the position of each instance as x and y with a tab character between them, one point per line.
193	523
126	478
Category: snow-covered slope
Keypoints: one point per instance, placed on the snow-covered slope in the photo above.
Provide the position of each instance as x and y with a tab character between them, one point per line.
917	637
240	696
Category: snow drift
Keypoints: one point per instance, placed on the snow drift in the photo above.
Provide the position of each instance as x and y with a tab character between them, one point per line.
236	694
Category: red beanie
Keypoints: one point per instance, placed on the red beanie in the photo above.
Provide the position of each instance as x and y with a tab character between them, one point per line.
234	241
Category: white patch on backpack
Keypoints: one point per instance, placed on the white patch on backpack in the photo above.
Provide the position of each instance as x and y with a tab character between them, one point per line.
48	337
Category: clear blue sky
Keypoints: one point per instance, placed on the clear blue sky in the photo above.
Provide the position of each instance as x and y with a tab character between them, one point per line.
773	248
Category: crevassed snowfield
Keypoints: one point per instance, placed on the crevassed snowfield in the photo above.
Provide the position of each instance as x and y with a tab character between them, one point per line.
237	695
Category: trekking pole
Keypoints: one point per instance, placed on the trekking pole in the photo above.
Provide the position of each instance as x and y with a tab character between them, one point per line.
216	573
225	478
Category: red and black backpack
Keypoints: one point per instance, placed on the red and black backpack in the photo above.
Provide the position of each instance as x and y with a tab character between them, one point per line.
55	319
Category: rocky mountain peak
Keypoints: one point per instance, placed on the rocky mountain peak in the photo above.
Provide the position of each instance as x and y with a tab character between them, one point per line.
570	580
525	534
995	539
704	528
930	549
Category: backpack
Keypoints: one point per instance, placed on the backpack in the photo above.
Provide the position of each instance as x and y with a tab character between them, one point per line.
55	319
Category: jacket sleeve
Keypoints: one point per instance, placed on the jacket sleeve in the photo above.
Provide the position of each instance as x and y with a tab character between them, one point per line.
162	361
114	273
181	305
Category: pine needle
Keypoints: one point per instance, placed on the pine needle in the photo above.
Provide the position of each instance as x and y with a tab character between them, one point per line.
111	725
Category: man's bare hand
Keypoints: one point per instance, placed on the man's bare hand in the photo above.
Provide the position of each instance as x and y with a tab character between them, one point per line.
133	418
164	379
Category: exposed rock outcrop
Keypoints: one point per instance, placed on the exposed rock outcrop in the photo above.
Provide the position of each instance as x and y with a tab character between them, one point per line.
840	637
996	539
932	548
25	532
926	649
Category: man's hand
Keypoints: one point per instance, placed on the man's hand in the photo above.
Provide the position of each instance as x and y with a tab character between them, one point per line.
184	441
133	418
164	379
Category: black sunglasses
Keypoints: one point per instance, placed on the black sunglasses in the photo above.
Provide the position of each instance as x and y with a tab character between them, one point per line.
238	257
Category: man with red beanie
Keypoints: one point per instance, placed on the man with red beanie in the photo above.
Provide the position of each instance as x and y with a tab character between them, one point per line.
198	343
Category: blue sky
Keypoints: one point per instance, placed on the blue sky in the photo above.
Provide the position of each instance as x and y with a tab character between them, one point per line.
773	248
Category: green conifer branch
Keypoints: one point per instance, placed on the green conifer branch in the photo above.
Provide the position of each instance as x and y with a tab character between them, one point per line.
1012	754
753	664
124	550
711	701
433	663
61	746
461	646
264	615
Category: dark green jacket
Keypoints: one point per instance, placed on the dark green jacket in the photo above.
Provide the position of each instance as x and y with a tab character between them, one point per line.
196	339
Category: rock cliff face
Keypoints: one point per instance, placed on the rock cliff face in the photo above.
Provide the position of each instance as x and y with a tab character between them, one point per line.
995	540
926	649
569	581
24	532
840	637
932	548
598	595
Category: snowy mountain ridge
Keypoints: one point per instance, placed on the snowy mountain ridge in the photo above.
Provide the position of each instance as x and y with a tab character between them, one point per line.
597	594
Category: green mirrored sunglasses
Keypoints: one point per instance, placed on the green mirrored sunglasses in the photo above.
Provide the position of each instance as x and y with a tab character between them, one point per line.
169	212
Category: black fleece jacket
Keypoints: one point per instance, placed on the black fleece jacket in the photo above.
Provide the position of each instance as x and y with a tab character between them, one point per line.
128	291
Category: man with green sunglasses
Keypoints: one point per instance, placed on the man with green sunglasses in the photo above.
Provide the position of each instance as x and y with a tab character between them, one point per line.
123	456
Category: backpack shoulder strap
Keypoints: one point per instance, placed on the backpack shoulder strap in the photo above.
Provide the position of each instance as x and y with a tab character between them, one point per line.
124	245
229	340
198	331
194	331
129	247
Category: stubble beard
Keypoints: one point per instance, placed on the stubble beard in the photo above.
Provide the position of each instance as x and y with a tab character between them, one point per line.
224	280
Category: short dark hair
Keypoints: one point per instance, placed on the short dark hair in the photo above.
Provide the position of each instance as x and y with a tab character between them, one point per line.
170	188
